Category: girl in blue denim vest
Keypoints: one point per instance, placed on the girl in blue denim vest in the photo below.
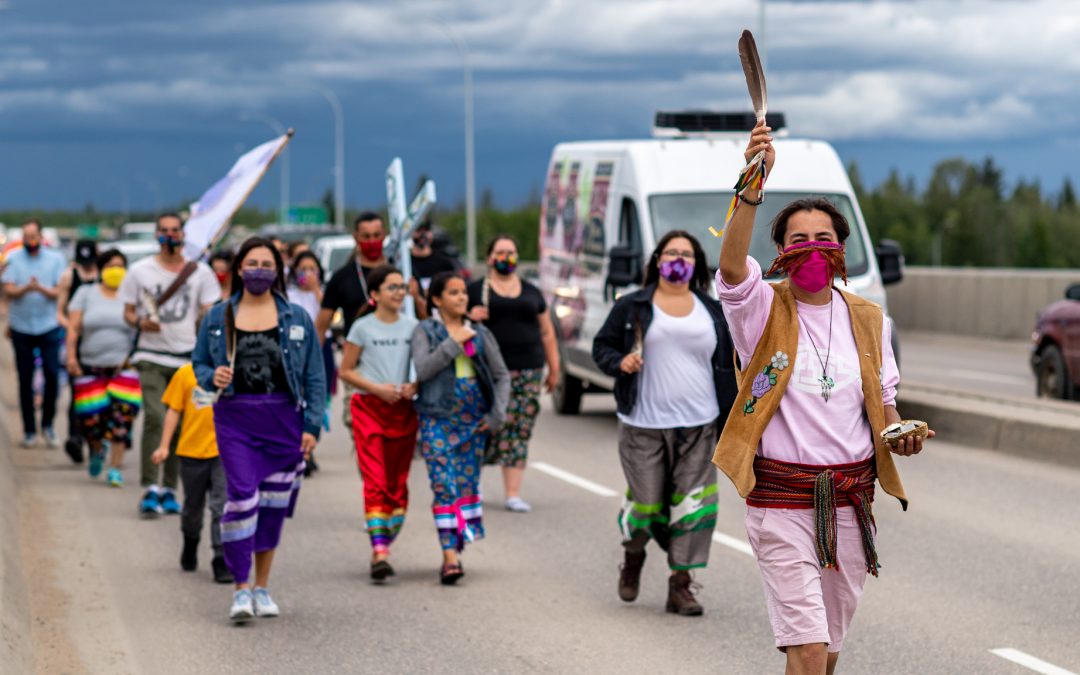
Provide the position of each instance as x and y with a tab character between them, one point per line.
463	391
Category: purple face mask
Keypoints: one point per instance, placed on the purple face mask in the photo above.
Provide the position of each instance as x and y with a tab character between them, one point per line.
258	280
677	271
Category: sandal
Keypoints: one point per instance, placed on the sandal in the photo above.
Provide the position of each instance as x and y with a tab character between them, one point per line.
449	574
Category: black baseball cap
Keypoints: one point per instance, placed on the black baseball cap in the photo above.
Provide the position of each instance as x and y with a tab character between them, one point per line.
85	251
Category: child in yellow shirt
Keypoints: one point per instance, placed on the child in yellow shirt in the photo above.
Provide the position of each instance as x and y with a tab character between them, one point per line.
201	472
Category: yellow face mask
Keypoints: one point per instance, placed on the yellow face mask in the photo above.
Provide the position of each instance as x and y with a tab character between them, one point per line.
112	276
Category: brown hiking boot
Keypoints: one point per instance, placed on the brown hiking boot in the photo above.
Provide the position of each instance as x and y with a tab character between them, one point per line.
630	575
680	599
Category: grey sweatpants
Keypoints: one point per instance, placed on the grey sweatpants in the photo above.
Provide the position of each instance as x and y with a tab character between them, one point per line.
201	477
672	491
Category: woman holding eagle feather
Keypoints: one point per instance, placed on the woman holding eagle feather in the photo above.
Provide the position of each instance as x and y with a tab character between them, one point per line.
815	422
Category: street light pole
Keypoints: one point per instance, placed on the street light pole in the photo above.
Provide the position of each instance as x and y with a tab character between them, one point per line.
279	129
470	161
339	149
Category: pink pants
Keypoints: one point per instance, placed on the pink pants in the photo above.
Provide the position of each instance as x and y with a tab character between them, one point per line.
807	604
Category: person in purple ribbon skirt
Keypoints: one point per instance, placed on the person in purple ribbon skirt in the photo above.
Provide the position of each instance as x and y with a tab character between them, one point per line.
667	347
261	355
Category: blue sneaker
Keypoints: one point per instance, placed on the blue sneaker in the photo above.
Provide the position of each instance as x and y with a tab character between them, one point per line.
50	438
168	503
150	506
115	478
97	463
29	441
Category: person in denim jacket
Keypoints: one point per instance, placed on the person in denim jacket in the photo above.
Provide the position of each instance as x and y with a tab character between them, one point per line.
261	356
464	388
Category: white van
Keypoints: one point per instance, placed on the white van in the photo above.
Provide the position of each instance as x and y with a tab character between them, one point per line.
607	203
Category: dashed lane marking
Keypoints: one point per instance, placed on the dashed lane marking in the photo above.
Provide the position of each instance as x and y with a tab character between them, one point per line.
597	489
1030	662
583	483
731	542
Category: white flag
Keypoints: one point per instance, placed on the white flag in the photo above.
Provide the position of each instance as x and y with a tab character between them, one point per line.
211	214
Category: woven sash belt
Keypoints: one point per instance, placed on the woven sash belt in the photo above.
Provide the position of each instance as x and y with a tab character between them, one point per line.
781	485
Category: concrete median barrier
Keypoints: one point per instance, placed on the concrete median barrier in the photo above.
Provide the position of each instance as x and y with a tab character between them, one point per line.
1030	428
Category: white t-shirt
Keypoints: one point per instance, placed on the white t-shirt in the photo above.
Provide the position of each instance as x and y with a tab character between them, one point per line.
173	345
675	384
387	348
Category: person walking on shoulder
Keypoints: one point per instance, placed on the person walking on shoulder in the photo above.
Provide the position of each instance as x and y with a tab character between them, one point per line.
377	363
30	279
107	394
668	348
164	297
803	445
258	352
463	391
516	314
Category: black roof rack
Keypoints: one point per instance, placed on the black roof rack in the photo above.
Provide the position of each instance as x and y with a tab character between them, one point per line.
708	121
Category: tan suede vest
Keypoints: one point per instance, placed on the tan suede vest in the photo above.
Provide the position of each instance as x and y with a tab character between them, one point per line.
772	361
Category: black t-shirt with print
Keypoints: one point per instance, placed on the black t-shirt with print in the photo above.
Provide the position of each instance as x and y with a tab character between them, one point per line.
259	368
344	291
515	323
424	268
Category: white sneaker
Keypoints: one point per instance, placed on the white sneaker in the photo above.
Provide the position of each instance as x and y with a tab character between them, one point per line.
518	505
264	604
243	606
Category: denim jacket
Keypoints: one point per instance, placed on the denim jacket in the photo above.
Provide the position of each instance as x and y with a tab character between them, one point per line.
300	349
433	354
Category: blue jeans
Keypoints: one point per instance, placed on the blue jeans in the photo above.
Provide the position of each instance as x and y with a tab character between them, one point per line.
48	344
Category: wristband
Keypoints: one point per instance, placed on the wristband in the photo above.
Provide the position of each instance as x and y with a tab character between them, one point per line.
759	202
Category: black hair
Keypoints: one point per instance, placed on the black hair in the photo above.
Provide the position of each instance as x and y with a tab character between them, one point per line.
375	281
105	258
168	214
500	237
438	285
700	281
365	217
246	248
839	222
225	255
300	257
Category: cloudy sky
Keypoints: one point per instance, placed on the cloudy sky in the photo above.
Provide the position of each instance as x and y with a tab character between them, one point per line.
142	100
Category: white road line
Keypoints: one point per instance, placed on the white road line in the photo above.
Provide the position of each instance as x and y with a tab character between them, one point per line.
583	483
731	542
1030	662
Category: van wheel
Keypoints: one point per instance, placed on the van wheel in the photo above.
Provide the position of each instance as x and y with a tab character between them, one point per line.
567	394
1053	376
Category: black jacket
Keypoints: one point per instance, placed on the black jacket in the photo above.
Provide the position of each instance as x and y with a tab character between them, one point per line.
631	317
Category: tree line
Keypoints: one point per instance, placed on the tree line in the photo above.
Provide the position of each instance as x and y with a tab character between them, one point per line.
966	217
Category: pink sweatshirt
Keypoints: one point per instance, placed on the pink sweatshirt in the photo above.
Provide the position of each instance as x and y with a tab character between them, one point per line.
806	429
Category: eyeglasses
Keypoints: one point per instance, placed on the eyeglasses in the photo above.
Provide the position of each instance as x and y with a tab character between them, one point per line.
671	253
395	288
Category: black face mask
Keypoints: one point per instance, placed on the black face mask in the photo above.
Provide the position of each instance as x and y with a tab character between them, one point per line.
170	243
32	248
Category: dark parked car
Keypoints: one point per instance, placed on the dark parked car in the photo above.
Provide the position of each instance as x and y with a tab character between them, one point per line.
1055	354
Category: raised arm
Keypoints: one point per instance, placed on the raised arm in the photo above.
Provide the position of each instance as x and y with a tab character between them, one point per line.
736	242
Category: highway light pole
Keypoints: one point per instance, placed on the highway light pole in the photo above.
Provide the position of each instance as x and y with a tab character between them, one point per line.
279	129
339	149
470	161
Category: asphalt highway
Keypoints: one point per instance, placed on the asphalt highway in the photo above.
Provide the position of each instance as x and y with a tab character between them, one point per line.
986	558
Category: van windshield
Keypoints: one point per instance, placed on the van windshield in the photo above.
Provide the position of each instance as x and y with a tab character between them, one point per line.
696	212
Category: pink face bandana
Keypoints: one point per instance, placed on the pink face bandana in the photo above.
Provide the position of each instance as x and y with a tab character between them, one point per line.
812	265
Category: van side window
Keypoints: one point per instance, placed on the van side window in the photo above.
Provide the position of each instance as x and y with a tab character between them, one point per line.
629	226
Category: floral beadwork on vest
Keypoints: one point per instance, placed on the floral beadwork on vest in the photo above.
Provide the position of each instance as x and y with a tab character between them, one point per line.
765	380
